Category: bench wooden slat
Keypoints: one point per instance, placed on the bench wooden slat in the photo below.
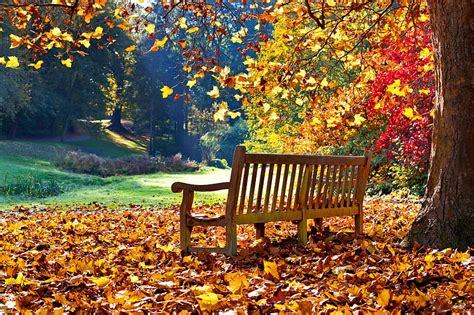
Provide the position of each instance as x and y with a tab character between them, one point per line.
351	187
338	187
331	189
344	186
275	188
299	192
314	184
283	195
320	186
243	191
327	184
269	188
299	159
252	188
260	188
292	185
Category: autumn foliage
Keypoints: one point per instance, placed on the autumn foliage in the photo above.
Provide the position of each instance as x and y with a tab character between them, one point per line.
96	259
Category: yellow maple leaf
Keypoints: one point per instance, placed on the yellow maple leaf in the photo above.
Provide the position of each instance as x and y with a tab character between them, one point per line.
236	38
67	62
271	268
214	93
408	112
273	116
358	119
98	32
425	52
266	107
207	301
396	89
182	22
150	28
383	299
12	62
85	42
423	18
134	279
324	82
2	61
192	30
131	48
67	37
166	91
36	65
191	83
236	282
20	279
100	281
221	112
187	68
424	91
331	122
15	41
159	43
56	32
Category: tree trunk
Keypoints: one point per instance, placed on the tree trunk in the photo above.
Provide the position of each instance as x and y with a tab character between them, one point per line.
116	120
446	218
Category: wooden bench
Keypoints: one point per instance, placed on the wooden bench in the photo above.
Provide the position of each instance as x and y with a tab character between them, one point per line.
275	187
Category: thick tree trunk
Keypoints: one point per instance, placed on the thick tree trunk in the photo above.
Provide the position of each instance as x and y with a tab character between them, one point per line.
447	215
116	120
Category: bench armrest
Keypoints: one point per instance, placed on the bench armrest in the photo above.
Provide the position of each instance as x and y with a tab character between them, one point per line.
178	187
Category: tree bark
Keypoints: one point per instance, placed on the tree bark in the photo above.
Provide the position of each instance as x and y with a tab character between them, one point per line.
446	218
116	120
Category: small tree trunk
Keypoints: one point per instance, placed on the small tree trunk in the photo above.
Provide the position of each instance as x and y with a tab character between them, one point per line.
447	215
14	128
151	145
65	128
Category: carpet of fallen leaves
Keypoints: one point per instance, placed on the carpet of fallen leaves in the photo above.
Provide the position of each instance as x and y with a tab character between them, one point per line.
99	260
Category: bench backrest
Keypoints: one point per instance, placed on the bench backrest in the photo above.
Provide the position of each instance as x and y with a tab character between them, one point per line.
266	184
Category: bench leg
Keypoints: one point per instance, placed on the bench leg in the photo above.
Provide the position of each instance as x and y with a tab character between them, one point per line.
260	230
302	232
231	240
185	237
359	222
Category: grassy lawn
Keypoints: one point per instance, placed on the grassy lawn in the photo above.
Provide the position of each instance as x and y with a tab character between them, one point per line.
22	160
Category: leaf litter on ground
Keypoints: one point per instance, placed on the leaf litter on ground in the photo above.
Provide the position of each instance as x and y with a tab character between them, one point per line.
96	259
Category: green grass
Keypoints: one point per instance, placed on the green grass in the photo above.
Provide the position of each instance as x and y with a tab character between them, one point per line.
110	145
20	159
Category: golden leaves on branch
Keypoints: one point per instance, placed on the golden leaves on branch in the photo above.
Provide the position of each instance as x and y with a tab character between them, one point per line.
166	91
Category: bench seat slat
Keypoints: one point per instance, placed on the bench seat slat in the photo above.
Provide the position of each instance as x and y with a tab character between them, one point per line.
331	212
268	217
